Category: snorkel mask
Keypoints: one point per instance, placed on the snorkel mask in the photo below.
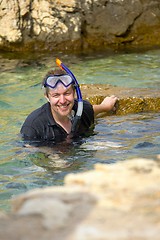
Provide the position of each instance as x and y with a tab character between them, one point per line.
67	80
53	80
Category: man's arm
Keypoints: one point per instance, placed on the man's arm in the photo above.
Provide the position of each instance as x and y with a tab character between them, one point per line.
106	105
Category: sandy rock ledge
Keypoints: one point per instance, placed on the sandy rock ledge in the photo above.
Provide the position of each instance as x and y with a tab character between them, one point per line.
112	202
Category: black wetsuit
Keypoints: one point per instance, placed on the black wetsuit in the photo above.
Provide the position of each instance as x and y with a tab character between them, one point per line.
41	126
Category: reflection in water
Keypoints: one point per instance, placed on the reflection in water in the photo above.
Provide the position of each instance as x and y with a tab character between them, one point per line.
53	157
115	138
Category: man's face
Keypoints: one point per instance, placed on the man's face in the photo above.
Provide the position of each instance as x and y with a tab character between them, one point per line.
61	100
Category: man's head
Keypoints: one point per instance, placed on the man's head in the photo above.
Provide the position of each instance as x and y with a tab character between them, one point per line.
59	91
55	77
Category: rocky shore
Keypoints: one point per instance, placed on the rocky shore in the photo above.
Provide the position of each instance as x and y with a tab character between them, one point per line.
75	25
117	201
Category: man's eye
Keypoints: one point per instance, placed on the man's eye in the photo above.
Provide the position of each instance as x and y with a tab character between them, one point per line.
67	93
55	95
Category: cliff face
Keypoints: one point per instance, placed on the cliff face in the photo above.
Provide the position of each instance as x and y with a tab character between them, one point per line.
78	24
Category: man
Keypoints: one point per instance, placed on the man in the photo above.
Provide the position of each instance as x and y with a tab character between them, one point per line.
53	121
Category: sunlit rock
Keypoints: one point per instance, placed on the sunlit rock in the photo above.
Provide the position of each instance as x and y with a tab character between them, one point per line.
78	25
115	201
131	100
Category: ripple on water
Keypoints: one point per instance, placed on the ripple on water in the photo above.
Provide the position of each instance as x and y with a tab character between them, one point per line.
145	145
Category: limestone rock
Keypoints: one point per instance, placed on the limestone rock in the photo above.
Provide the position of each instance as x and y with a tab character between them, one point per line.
130	100
117	201
78	25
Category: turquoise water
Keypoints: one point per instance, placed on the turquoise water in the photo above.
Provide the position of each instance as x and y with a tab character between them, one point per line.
115	138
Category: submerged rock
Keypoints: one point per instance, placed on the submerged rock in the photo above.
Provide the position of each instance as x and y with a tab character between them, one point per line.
117	201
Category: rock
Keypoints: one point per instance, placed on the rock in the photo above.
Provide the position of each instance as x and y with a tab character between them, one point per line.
116	201
78	25
130	100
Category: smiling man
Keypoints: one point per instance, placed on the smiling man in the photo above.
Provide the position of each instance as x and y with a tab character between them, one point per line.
53	121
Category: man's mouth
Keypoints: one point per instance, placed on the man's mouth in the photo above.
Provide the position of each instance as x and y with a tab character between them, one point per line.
63	107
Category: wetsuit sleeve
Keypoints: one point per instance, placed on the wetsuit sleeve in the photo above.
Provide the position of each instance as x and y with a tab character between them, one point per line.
31	128
28	132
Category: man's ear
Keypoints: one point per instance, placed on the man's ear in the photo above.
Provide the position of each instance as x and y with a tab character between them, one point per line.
47	97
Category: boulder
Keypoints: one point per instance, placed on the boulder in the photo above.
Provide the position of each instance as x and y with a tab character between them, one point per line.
116	201
131	100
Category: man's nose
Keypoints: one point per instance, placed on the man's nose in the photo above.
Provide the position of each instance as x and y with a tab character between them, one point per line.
62	98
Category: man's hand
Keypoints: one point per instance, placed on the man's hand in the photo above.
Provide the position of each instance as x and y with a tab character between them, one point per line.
108	104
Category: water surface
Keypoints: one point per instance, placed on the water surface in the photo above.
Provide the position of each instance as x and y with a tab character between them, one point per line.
115	138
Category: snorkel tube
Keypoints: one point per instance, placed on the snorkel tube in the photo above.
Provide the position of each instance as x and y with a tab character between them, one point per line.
79	96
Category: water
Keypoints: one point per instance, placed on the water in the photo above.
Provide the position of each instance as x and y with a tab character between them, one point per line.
115	138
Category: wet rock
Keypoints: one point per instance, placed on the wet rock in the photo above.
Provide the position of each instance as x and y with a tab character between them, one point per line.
29	63
131	100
